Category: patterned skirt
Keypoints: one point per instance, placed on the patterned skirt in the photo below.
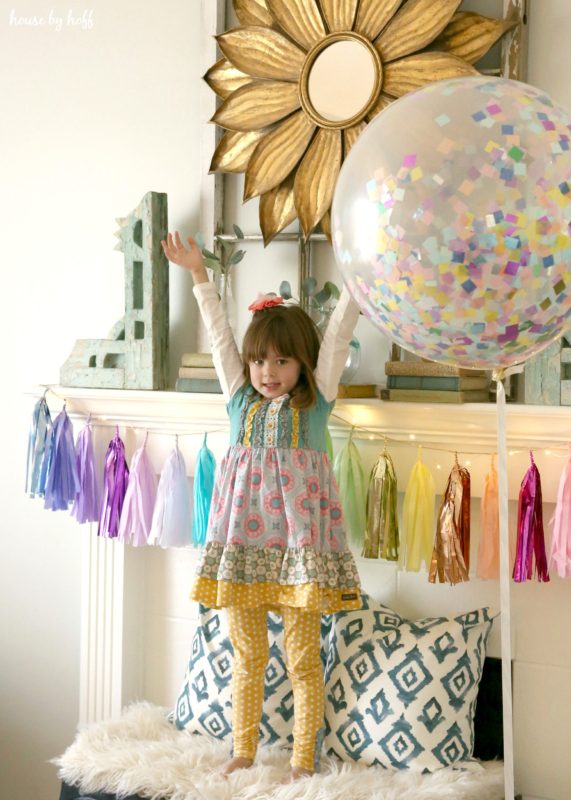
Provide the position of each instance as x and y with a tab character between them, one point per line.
276	534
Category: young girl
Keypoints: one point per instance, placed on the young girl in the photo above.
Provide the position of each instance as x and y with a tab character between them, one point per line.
275	537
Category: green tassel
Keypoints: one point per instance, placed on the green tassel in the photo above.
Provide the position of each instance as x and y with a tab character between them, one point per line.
350	475
382	532
328	445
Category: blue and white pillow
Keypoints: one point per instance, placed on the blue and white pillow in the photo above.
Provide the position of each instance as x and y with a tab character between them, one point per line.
402	693
204	704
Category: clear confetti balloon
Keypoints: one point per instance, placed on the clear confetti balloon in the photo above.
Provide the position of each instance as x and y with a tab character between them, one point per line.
451	221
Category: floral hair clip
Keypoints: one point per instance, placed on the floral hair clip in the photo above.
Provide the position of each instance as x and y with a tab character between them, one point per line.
265	301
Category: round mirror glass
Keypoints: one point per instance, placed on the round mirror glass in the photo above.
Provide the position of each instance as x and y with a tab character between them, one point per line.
341	80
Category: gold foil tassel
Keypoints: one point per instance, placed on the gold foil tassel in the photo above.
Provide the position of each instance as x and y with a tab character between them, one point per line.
450	556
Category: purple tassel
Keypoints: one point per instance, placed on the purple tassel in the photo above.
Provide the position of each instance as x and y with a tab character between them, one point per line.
137	514
115	481
62	481
530	536
87	503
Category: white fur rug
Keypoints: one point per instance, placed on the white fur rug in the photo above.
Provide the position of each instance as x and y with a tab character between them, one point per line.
142	753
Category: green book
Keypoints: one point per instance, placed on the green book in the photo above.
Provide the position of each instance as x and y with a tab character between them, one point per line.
204	385
446	384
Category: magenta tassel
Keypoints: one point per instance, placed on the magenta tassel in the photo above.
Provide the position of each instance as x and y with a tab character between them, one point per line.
530	536
116	476
87	503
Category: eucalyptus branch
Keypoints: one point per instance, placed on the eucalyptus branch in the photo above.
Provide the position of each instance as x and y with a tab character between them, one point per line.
223	255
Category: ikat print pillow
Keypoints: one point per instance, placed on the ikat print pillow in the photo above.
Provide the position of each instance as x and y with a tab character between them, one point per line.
402	693
204	704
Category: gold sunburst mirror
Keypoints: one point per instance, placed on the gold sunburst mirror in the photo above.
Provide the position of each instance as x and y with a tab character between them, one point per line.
300	80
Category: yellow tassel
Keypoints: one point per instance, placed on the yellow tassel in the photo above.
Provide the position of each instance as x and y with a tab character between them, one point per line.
418	517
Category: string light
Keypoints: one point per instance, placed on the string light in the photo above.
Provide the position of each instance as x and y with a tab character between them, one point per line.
104	421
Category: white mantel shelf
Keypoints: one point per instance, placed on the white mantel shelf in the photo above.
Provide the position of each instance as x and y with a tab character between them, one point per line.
470	424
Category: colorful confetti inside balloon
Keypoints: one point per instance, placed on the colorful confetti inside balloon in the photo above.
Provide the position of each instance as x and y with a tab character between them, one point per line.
452	221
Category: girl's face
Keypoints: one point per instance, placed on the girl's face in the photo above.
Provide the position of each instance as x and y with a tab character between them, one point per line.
274	375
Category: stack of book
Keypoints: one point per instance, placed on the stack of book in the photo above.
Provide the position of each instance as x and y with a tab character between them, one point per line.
197	374
429	382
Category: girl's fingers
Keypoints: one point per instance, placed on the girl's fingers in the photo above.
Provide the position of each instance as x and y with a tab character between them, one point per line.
178	240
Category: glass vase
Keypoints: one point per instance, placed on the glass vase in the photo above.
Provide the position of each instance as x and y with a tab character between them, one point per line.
227	298
353	361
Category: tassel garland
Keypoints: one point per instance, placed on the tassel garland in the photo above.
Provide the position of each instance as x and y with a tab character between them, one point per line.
40	434
382	527
87	502
560	556
418	517
530	536
203	488
137	514
350	476
116	476
171	526
452	530
488	567
62	480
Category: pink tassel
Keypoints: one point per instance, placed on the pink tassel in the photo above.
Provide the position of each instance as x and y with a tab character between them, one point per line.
489	549
560	557
137	511
530	536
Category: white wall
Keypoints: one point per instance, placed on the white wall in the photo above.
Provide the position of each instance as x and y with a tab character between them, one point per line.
94	118
91	120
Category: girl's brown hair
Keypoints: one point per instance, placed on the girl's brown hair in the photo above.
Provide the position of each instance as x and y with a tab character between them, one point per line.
292	334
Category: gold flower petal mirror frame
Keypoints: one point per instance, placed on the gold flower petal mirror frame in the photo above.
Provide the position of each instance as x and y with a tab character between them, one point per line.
300	80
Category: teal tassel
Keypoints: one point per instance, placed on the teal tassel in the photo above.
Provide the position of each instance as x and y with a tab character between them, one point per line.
203	488
350	475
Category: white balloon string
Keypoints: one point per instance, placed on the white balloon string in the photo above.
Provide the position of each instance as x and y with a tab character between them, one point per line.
505	605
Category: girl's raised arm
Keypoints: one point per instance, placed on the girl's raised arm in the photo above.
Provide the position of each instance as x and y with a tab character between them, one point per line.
335	345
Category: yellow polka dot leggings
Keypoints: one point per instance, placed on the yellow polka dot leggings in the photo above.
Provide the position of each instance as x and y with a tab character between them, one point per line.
249	636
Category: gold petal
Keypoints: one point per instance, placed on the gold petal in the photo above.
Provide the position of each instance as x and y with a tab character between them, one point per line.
252	12
383	101
470	36
416	25
300	19
223	78
325	224
415	71
373	15
339	14
315	178
234	150
257	105
277	209
277	154
262	53
350	136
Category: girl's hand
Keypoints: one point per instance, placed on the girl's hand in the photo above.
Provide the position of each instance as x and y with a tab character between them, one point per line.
190	259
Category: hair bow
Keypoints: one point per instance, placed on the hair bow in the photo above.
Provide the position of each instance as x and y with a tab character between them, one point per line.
265	301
